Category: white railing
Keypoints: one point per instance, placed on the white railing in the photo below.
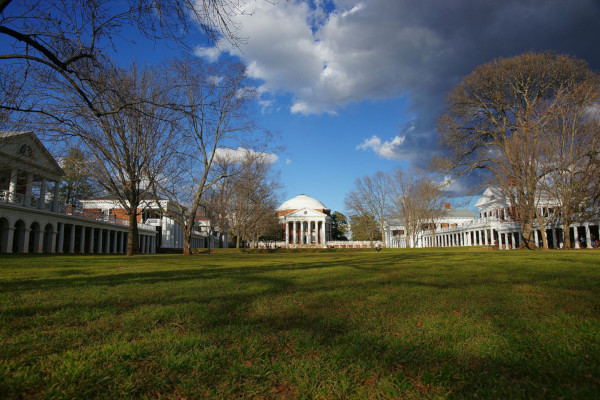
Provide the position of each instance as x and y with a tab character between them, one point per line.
355	244
67	209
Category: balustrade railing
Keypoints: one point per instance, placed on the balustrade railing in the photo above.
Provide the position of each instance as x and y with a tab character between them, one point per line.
67	209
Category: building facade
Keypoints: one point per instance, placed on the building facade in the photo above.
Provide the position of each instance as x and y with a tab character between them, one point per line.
305	222
159	214
33	220
497	225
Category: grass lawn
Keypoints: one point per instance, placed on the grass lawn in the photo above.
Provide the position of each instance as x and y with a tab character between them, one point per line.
443	323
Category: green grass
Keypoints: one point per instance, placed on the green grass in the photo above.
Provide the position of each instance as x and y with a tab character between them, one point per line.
445	323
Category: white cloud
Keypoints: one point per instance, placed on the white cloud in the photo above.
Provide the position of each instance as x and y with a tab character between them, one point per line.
211	54
326	60
391	150
240	154
288	161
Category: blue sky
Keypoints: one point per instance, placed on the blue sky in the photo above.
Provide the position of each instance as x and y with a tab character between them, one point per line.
355	86
352	87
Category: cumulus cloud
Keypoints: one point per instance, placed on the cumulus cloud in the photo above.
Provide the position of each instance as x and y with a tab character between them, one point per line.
384	149
240	154
327	54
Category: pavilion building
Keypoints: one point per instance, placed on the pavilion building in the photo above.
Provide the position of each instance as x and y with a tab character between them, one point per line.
306	222
32	218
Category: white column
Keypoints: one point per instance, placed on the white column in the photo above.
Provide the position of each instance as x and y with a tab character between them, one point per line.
82	240
25	245
27	200
53	238
576	236
12	188
512	240
92	243
485	238
72	240
287	233
499	241
588	238
38	241
302	234
43	188
55	199
535	237
61	238
323	232
294	232
493	237
100	248
10	235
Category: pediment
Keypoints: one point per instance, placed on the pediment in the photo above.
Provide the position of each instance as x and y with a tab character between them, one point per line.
305	213
23	150
490	195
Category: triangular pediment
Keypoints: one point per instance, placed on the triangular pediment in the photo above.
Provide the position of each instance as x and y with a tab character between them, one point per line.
489	196
305	213
23	150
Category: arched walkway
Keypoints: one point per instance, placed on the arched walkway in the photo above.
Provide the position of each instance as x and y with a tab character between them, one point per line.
4	229
47	244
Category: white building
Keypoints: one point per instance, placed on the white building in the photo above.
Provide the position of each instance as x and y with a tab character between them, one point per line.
33	220
159	214
497	225
306	222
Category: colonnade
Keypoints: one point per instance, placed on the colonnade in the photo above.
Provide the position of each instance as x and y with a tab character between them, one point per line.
506	238
63	237
305	232
471	237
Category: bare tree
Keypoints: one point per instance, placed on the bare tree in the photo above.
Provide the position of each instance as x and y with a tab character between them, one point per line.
127	151
252	197
499	116
370	196
213	104
416	200
570	157
58	35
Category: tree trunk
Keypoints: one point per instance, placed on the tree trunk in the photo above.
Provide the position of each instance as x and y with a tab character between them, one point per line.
542	231
527	235
132	236
566	235
237	242
187	234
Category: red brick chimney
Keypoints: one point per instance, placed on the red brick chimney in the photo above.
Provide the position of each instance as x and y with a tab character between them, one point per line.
447	206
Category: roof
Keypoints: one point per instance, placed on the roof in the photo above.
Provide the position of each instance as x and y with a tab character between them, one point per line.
459	213
26	148
302	201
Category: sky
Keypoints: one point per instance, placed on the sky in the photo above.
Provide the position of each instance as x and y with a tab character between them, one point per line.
352	87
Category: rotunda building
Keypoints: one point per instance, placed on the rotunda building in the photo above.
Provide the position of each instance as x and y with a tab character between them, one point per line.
305	221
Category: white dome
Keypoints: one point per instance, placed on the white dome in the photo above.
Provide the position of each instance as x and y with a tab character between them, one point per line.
302	201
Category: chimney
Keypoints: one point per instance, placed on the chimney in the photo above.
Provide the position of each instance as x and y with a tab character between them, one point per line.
447	206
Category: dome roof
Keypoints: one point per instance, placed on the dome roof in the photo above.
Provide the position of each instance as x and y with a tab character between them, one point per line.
302	201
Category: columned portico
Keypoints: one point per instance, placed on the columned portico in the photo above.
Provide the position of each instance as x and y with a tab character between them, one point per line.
305	222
